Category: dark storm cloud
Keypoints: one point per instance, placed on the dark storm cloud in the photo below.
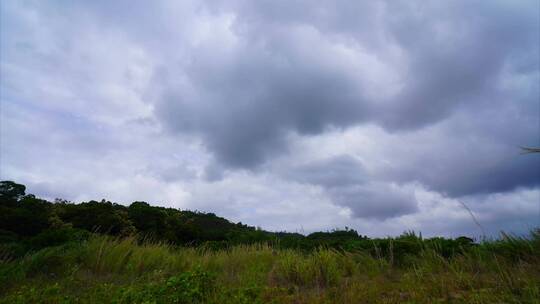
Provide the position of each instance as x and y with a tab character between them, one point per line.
244	106
505	173
376	200
337	171
345	180
474	152
456	53
286	71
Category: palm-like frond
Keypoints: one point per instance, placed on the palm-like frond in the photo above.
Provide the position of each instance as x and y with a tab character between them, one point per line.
526	150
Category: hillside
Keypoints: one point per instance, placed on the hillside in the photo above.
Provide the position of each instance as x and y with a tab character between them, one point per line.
31	223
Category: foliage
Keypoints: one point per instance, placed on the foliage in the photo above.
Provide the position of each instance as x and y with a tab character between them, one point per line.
107	269
103	252
29	223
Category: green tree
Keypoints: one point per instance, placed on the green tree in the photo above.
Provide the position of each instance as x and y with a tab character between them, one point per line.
11	192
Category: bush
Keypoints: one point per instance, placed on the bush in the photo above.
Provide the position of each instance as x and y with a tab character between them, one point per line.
189	287
55	237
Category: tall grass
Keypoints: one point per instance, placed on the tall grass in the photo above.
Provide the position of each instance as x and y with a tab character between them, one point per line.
125	270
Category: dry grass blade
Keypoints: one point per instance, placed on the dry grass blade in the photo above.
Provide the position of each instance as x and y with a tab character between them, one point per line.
473	218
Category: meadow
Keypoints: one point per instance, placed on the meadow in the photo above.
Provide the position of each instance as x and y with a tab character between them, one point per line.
107	269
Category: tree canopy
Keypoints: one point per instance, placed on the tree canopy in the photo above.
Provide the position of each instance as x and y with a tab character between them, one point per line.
28	222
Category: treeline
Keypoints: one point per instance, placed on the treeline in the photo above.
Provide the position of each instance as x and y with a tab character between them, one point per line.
30	223
36	223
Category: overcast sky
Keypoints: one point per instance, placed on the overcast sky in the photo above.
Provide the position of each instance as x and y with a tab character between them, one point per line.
383	116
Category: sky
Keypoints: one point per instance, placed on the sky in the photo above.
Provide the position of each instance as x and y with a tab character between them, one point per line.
300	116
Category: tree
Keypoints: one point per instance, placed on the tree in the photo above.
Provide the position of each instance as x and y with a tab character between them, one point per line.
11	192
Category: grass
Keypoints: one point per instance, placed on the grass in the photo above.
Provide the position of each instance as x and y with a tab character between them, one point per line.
112	270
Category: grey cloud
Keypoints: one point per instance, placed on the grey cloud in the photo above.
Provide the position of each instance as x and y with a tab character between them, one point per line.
347	183
472	153
47	190
337	171
513	211
505	173
244	107
376	200
171	172
281	76
456	54
214	172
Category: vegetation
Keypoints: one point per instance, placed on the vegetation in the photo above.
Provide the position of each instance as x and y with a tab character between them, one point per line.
101	252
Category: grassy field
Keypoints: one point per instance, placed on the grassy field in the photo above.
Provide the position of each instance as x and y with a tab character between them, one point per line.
104	269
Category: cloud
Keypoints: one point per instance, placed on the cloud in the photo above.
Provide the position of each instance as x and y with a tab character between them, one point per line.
471	153
347	183
336	171
283	114
245	102
376	200
246	88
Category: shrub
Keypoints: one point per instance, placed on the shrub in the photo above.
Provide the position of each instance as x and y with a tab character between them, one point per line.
55	237
189	287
